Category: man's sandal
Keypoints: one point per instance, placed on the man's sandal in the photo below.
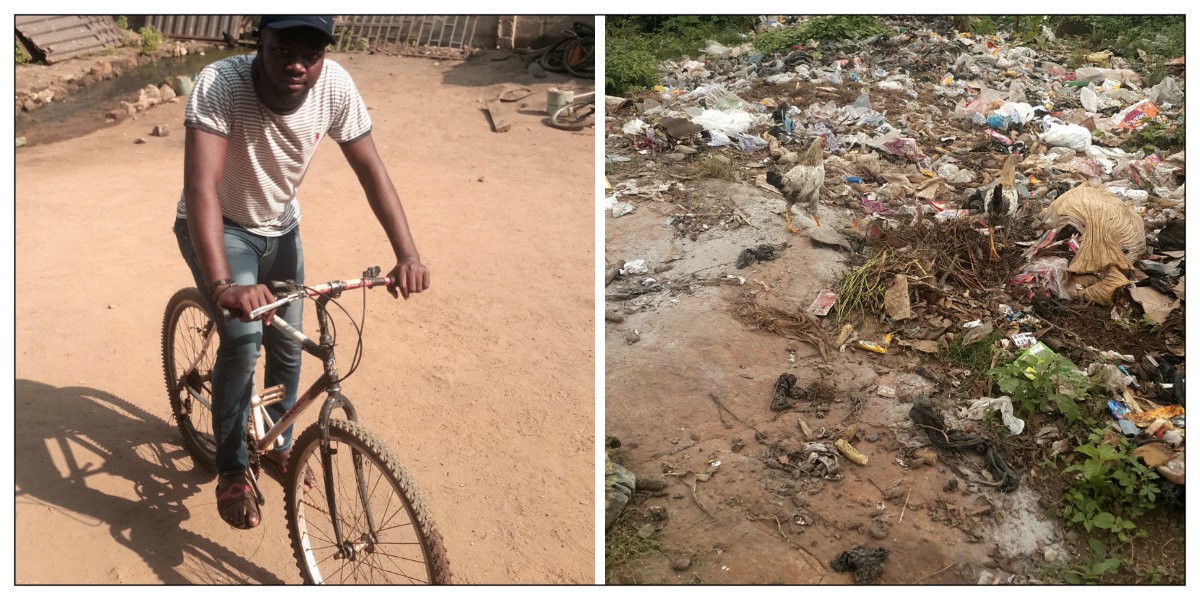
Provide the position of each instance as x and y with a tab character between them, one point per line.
237	503
276	462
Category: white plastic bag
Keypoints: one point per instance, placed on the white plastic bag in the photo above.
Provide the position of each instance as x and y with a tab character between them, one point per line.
1075	137
1089	99
635	267
1003	404
633	127
729	121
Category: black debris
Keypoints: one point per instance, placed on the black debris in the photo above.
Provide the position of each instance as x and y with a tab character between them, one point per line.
867	563
925	417
761	252
786	392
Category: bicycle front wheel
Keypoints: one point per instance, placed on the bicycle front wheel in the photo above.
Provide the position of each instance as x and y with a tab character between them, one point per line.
189	348
387	535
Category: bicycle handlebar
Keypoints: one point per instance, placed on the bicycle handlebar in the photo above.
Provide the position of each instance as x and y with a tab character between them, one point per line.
293	292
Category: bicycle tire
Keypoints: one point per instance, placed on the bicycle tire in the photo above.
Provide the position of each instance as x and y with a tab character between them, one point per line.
184	323
412	551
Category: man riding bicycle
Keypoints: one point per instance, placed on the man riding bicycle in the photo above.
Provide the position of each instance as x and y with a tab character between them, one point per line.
252	124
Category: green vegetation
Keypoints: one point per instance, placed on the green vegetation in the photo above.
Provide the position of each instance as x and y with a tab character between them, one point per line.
1145	39
1167	135
1093	568
149	39
1045	384
629	65
1110	487
123	22
634	45
836	27
975	358
20	55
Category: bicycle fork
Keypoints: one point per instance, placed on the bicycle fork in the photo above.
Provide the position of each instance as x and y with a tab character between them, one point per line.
347	549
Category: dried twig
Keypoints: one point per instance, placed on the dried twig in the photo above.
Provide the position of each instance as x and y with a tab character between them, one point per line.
905	507
938	572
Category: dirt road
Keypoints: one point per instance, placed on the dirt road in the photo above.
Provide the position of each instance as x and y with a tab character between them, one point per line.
483	385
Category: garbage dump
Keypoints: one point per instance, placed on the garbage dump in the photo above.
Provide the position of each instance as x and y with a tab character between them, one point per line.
1078	319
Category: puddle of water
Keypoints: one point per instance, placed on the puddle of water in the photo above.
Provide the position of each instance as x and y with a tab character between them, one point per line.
84	111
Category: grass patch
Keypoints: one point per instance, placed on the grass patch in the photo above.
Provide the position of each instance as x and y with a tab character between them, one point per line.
975	358
712	167
625	551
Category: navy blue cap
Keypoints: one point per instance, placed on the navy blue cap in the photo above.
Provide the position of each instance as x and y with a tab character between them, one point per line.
322	23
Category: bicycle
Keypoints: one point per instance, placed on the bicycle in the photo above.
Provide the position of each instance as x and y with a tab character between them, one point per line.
370	523
576	115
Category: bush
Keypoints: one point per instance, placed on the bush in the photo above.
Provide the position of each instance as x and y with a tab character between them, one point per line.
150	39
835	28
123	22
629	64
21	55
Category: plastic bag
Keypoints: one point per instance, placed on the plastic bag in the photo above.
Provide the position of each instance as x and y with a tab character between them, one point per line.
1136	116
1047	272
1016	112
717	97
635	267
1167	91
1003	404
718	138
750	143
633	127
1089	99
1060	134
729	121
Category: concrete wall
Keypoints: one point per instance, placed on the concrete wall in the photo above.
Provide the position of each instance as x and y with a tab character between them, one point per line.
525	31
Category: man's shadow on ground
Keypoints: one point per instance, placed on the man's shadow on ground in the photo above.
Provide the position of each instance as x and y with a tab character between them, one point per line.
77	424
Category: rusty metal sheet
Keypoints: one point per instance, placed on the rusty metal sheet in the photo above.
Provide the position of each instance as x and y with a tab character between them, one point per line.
211	28
66	36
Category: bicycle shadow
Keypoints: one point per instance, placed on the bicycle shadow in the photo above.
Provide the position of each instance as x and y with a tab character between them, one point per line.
62	432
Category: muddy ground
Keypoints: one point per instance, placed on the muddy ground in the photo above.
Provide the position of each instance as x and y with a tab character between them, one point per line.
483	385
694	348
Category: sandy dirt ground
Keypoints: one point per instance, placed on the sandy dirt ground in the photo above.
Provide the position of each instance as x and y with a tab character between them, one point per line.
688	389
483	385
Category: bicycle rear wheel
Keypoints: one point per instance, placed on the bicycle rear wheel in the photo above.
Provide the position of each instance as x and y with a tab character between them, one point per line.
189	348
388	535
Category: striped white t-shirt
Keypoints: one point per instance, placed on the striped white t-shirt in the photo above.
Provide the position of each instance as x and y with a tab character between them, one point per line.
267	153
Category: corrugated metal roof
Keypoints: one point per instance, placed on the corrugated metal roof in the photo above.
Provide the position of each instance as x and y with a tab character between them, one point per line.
201	27
61	37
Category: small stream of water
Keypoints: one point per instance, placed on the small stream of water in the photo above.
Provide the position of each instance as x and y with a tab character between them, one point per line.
84	111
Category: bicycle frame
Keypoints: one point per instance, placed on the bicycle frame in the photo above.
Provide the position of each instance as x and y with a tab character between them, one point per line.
327	383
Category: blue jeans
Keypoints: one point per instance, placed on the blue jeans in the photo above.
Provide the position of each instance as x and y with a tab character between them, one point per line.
252	259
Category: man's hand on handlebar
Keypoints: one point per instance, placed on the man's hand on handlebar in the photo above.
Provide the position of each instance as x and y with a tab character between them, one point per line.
243	299
408	277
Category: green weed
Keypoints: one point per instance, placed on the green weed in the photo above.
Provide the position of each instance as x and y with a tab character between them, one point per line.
834	28
20	54
1110	487
149	40
1047	383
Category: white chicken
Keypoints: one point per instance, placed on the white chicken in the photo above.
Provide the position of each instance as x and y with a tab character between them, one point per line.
802	182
